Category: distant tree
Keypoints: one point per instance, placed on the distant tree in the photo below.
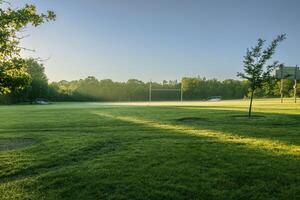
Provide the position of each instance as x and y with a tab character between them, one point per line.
38	87
13	74
88	88
256	68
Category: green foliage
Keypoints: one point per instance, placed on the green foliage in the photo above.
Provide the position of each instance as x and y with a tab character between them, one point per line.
91	89
13	73
272	89
257	71
38	87
202	88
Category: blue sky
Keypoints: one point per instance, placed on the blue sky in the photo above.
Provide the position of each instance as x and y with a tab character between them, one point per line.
159	39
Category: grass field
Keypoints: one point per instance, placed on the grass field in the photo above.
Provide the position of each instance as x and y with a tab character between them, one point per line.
189	150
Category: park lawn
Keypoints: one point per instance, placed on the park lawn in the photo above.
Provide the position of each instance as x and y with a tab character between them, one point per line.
169	150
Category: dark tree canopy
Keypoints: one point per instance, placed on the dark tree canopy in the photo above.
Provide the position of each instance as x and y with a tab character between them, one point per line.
13	74
38	85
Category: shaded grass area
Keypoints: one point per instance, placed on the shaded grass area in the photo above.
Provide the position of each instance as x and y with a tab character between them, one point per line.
15	143
142	152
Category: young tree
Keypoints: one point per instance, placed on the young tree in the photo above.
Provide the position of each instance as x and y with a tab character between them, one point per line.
256	68
13	74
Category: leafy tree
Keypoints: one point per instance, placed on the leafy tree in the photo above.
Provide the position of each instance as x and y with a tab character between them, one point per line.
13	74
256	68
38	86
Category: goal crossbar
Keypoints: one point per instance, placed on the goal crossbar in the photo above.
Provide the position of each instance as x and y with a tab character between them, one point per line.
164	89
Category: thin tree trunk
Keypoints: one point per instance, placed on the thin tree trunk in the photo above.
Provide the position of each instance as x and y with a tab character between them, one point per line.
250	107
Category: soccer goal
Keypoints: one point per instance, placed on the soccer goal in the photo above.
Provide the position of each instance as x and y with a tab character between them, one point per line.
151	90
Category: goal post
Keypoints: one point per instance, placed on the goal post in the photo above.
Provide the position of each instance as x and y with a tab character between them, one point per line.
151	89
289	73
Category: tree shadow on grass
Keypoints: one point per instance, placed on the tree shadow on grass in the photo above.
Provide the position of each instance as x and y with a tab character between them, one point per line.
251	172
278	127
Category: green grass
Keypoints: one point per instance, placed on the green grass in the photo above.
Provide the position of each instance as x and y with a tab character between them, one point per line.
190	150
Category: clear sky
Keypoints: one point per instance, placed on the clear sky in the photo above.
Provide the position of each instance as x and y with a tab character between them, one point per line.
159	39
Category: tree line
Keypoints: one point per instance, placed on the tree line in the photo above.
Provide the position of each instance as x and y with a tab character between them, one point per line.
92	89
